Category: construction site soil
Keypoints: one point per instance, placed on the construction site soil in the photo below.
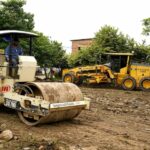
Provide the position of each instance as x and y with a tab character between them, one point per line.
117	120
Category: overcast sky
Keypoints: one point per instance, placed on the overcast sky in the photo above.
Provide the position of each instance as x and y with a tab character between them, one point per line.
64	20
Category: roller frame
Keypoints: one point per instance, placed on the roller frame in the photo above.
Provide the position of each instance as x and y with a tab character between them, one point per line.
39	106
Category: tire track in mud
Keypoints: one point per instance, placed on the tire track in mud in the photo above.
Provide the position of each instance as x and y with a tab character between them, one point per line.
98	128
128	119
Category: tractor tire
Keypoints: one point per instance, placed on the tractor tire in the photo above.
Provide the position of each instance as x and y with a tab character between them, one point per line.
145	84
128	83
69	77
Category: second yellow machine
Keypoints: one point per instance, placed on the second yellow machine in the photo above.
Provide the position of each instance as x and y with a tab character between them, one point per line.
119	69
130	75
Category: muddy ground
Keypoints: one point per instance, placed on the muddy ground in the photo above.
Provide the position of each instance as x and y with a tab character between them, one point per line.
117	120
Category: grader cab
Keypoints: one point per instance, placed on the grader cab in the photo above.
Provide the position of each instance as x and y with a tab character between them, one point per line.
36	102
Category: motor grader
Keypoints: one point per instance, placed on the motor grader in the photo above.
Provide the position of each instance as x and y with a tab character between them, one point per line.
119	69
36	102
89	74
129	75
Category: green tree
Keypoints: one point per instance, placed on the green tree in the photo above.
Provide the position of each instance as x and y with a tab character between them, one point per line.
146	26
49	52
107	39
146	31
13	16
46	51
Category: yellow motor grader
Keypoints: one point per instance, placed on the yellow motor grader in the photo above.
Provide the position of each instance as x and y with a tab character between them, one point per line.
36	102
130	75
88	74
119	68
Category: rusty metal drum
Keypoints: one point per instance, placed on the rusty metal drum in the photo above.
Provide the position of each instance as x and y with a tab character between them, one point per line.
54	92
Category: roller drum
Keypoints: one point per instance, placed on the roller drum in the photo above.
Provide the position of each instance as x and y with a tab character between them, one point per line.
54	92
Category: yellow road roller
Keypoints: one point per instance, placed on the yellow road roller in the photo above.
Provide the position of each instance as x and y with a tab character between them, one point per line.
35	102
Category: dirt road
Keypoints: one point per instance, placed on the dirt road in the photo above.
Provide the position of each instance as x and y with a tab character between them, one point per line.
117	120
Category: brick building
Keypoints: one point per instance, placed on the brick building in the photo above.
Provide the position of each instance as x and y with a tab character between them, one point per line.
78	44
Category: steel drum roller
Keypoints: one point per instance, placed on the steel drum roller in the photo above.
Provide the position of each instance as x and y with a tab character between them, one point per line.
53	93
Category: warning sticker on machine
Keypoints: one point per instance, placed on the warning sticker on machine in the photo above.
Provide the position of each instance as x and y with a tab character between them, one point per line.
5	88
66	104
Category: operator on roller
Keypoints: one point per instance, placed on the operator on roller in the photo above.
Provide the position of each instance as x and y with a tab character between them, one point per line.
16	50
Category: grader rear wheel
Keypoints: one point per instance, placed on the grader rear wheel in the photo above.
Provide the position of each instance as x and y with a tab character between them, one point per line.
128	83
53	93
145	84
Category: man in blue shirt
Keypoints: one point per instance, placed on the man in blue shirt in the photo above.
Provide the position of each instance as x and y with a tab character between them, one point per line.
13	49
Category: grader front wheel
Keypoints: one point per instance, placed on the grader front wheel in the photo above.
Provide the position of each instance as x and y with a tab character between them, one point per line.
69	78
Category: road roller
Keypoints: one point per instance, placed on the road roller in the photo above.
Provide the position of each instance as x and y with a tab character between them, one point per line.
35	102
